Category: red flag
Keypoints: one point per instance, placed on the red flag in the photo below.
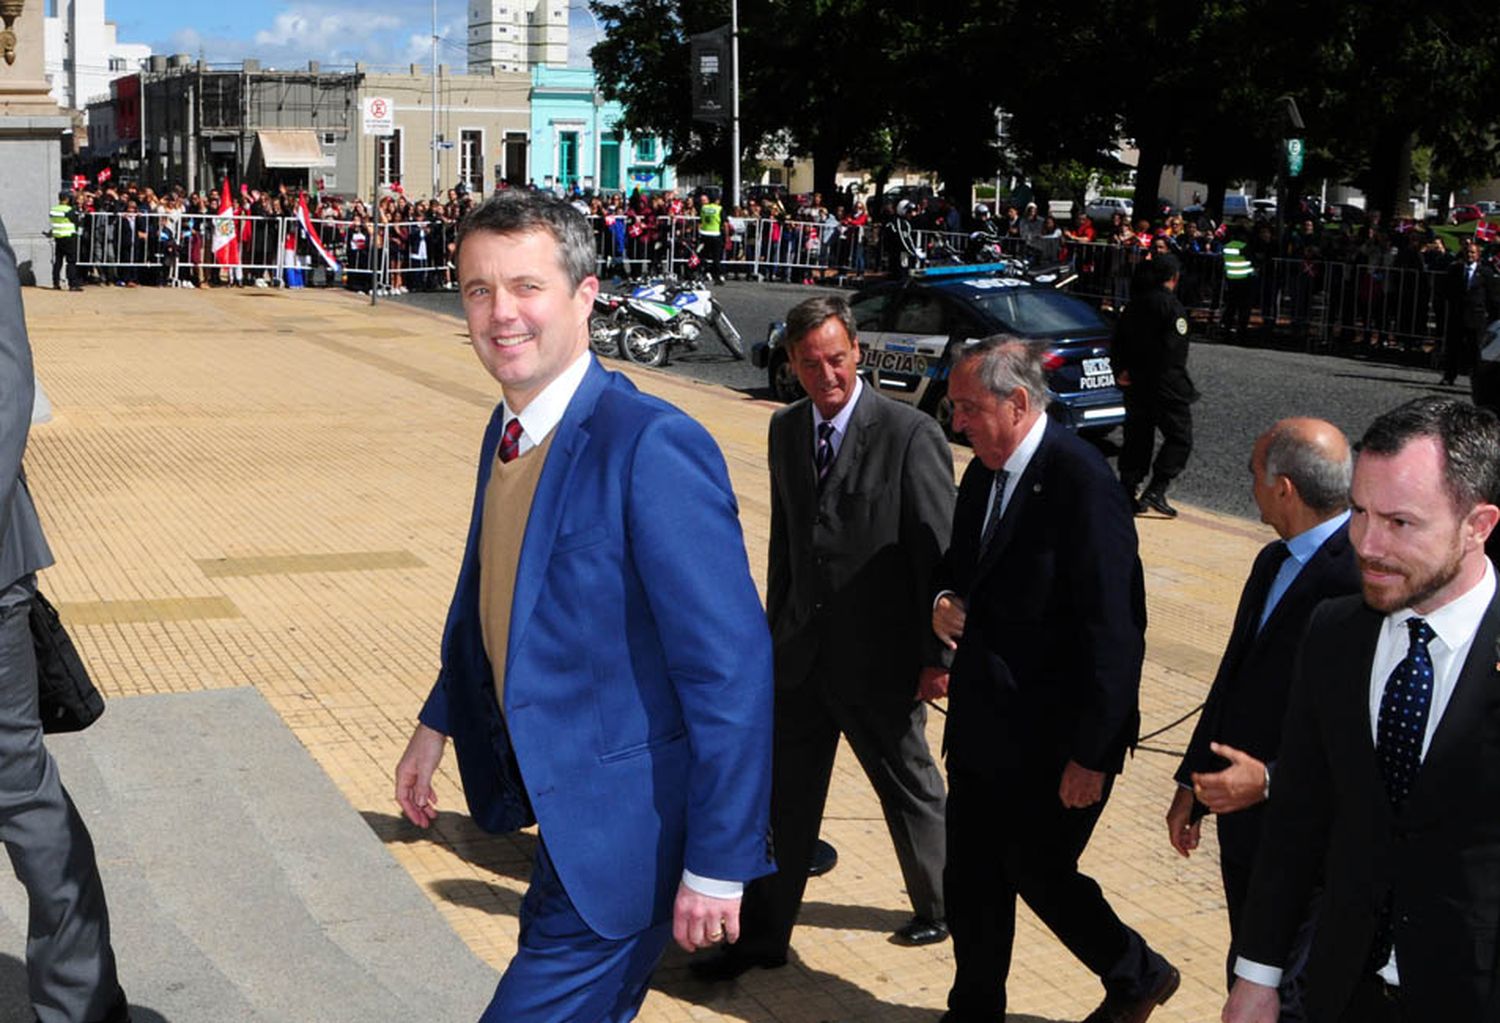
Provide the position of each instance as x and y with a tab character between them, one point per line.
226	245
305	219
1484	231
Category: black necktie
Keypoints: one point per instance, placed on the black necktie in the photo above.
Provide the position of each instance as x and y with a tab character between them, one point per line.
1399	730
823	458
1402	722
993	523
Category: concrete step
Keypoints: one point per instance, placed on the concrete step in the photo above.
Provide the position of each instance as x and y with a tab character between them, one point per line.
243	888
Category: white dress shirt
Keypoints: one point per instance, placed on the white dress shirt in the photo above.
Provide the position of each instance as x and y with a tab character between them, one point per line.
1454	625
539	418
1014	466
840	420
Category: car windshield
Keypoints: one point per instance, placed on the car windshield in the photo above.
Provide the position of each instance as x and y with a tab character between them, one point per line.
1037	312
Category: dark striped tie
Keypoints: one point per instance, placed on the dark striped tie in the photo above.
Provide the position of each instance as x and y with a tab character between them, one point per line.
823	458
510	441
993	524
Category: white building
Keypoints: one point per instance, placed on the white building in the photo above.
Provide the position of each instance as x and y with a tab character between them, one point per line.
82	55
517	35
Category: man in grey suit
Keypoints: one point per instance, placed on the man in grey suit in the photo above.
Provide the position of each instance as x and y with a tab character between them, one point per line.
861	506
69	961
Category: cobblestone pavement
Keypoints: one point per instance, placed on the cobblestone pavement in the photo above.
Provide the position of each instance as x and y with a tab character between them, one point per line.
271	488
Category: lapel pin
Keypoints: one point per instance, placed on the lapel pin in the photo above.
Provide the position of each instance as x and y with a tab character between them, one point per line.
1036	488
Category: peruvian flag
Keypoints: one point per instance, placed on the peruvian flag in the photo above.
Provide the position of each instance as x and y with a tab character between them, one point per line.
305	219
226	245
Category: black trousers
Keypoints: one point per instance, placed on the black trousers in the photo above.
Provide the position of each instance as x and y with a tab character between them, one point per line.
1461	349
1014	837
891	744
1145	416
65	249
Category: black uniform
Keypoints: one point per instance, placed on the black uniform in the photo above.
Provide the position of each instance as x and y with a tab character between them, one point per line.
1150	350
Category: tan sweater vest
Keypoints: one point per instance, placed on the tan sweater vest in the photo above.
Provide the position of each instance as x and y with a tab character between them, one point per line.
507	506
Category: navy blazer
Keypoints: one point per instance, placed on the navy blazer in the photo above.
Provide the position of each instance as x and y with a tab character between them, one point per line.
1248	699
1437	855
638	687
1049	666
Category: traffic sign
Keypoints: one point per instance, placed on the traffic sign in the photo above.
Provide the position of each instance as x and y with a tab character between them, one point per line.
380	116
1295	150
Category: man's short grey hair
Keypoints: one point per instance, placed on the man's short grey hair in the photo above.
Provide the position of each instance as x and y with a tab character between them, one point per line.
1007	363
520	210
810	314
1321	482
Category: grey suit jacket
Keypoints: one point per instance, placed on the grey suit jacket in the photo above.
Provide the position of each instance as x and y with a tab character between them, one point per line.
849	580
23	546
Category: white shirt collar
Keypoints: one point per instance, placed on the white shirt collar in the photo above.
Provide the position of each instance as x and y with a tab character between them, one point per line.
1021	457
545	411
1456	622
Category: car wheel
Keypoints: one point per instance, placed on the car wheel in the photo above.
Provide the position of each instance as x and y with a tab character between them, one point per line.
785	386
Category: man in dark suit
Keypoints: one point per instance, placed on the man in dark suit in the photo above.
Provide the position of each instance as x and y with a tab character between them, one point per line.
69	960
1389	770
861	504
1473	294
1300	480
1043	602
606	668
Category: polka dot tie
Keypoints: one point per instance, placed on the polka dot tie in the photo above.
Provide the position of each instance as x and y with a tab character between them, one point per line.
510	441
1403	714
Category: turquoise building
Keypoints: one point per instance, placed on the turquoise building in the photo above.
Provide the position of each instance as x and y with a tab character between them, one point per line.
576	138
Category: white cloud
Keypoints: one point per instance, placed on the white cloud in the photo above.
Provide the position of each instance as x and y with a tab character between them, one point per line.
318	29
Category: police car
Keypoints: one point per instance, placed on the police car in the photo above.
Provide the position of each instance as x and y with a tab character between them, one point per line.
908	331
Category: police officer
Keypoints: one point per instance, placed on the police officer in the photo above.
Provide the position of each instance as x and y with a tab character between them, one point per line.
63	219
1150	361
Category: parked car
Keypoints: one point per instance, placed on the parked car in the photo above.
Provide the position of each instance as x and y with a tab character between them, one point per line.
1105	207
909	330
1464	214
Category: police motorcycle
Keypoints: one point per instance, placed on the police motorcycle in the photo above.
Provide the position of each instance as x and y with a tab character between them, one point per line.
606	323
661	315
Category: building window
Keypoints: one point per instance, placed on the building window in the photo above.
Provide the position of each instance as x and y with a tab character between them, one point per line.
645	150
117	64
330	138
390	159
471	159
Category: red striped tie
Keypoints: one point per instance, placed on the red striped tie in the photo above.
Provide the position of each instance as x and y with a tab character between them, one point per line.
510	441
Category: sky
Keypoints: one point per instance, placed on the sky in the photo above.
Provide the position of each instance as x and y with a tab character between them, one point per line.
289	33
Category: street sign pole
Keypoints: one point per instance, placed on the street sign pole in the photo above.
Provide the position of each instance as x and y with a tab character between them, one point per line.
379	122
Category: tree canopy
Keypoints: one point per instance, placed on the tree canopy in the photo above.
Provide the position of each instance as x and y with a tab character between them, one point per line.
1197	83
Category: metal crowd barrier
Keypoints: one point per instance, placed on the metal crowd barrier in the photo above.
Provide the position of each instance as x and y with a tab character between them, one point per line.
177	247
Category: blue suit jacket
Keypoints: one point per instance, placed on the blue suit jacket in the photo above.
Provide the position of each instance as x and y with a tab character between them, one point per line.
638	684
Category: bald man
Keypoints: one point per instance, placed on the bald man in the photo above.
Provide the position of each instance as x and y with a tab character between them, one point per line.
1300	471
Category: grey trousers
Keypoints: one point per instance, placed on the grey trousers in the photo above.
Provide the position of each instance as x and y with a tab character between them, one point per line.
69	962
891	745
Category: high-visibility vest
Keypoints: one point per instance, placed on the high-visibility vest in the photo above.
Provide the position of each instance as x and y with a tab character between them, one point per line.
62	224
1236	266
709	219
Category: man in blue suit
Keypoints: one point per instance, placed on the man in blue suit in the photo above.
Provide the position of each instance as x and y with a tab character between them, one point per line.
606	666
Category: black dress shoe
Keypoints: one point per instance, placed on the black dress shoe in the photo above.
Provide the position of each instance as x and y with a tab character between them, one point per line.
1138	1008
921	931
727	964
825	858
1155	501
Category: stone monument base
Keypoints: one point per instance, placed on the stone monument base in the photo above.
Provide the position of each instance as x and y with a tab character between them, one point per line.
30	178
